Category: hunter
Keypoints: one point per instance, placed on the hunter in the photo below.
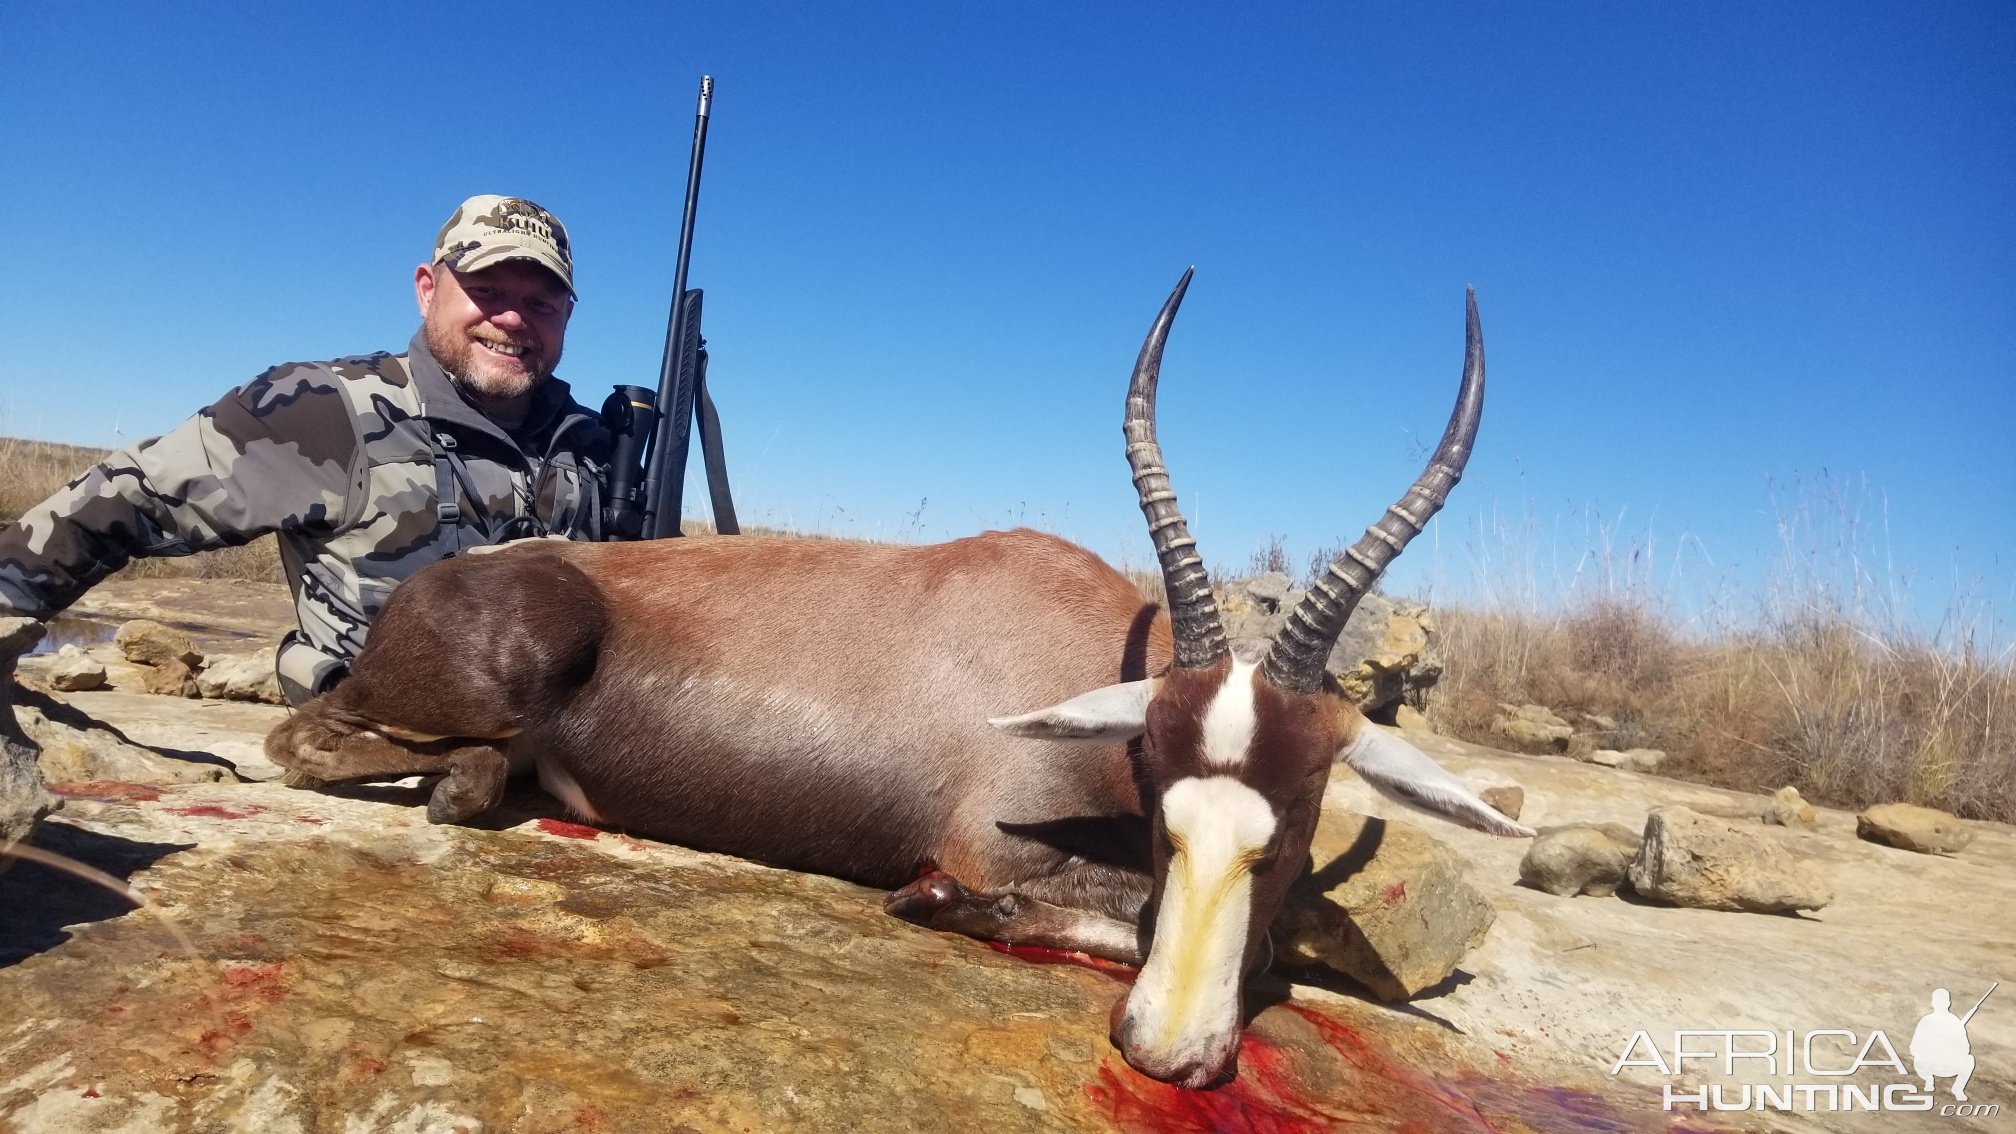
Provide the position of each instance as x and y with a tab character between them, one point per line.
367	468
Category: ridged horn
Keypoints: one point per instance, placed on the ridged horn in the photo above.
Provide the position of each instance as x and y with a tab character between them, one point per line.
1295	661
1193	613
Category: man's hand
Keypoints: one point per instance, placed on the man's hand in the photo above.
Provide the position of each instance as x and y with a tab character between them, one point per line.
22	798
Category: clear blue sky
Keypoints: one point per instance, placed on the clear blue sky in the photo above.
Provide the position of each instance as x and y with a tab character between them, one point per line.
1718	248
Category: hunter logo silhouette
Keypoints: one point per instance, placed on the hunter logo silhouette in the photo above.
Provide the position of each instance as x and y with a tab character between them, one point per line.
1939	1044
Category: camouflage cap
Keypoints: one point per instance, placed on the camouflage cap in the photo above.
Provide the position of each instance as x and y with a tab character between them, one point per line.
488	229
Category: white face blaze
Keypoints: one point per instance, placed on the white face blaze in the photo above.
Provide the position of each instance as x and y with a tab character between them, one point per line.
1230	719
1184	1010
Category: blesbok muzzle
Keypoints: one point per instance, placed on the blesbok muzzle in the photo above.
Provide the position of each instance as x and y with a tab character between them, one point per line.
1181	1021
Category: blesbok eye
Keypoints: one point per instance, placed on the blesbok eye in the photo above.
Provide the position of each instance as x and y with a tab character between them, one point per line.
1267	854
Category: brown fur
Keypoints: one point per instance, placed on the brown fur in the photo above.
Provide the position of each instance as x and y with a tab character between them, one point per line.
814	704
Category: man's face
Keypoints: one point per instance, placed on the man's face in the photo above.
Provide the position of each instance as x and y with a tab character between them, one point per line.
498	330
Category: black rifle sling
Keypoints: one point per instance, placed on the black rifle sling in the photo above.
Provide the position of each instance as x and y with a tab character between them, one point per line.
710	452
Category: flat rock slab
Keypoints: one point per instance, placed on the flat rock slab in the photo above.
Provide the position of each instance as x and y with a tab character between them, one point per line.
348	967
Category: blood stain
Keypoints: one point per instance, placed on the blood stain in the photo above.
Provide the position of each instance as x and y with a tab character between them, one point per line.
107	791
213	811
1039	955
569	830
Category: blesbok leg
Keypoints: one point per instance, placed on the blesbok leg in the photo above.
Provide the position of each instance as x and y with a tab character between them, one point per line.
318	748
1023	916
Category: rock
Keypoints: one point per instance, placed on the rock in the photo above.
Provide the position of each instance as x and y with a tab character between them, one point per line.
1508	799
23	800
1702	863
1600	722
1387	654
1643	759
147	642
74	671
1268	590
172	679
1913	828
1407	716
1532	726
1787	809
1581	745
361	970
1630	838
76	755
1385	904
18	635
242	677
1567	861
1632	760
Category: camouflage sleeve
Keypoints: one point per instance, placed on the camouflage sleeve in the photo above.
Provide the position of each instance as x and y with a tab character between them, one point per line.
280	452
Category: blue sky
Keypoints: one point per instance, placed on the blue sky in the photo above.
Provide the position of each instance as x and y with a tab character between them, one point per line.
1723	252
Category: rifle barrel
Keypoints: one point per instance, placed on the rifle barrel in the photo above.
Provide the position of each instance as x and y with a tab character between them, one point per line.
1980	1002
661	492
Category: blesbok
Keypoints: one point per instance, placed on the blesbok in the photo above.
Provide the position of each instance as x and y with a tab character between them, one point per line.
861	710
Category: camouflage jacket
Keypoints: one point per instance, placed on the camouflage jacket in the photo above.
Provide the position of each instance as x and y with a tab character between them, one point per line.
347	461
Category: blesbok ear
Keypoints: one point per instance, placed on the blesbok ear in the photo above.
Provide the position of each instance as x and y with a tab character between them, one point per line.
1402	772
1102	716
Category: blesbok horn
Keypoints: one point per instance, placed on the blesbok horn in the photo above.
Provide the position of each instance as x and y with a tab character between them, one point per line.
1295	661
1198	633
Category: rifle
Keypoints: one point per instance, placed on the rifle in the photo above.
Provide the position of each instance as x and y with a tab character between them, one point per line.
650	508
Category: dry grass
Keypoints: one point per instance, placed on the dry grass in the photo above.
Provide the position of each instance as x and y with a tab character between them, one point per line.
1848	716
1824	684
30	471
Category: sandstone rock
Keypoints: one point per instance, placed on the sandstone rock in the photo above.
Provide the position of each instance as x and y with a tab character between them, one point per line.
1388	652
147	642
1384	904
1631	760
1913	828
23	800
1531	726
1268	590
1692	860
242	677
1567	861
170	679
1788	809
1508	799
360	970
71	754
1643	759
1538	714
19	635
74	671
1630	838
1407	716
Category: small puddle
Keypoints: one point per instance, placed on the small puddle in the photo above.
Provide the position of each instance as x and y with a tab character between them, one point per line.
87	630
75	630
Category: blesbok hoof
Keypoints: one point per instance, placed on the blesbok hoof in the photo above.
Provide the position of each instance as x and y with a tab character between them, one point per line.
924	898
474	784
939	901
295	778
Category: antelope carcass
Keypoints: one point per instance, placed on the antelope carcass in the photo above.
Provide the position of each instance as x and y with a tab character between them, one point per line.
865	711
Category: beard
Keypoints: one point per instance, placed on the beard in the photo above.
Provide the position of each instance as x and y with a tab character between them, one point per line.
485	373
